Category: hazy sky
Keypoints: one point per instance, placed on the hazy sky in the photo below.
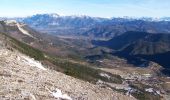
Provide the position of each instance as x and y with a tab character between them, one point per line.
100	8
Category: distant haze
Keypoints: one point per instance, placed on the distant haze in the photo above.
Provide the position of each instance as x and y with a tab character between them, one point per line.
95	8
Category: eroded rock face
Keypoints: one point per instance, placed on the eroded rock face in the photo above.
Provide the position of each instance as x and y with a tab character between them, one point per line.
20	80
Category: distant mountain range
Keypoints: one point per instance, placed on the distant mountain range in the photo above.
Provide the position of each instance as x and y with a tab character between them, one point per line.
117	26
55	24
94	26
44	20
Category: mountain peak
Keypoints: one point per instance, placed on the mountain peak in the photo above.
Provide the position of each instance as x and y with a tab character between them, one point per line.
54	15
10	22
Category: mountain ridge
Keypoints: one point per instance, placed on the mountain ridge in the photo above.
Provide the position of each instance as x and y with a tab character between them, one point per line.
94	27
138	41
138	48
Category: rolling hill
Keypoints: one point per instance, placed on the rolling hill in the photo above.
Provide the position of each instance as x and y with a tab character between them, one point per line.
138	43
140	47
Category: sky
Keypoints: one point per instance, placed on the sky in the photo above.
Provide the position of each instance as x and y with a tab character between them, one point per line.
95	8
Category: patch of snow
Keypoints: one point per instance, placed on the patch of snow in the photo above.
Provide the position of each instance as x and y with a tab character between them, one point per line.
147	75
58	94
149	90
129	91
32	62
100	61
54	15
105	75
99	82
158	92
23	30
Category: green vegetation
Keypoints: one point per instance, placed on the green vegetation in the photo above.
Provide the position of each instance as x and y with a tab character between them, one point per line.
28	50
142	94
146	96
83	72
24	48
76	70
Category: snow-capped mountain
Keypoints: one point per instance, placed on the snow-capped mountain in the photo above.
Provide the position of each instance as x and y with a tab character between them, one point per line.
150	19
55	24
46	20
94	26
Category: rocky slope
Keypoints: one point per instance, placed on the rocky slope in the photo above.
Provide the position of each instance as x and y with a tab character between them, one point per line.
24	78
